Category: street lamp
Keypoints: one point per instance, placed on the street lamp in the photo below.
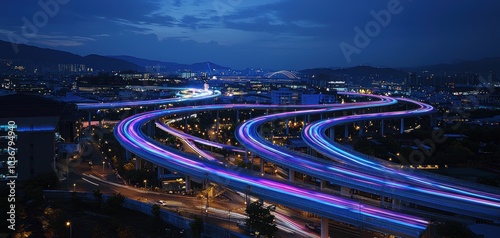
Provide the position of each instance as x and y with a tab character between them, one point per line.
145	183
74	187
68	224
103	162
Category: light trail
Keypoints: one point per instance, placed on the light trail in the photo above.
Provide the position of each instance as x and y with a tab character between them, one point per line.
131	137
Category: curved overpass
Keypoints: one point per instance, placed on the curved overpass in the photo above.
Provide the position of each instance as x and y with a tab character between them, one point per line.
381	101
314	135
129	134
196	95
384	181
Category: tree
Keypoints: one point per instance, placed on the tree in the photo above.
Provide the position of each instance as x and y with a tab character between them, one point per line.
116	201
128	167
260	219
98	197
155	210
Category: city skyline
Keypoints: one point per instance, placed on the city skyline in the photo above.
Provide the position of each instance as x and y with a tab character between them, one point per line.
258	34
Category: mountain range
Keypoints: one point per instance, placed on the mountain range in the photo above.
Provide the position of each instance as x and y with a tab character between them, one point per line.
481	66
171	66
41	56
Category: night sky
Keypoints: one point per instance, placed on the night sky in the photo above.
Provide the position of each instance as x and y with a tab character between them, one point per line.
272	34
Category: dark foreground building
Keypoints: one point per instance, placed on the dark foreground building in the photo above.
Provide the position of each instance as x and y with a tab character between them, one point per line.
39	122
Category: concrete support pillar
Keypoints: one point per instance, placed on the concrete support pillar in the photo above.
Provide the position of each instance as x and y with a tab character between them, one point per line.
138	162
159	173
128	155
324	227
396	204
332	133
151	128
261	165
188	184
346	131
382	128
322	184
237	116
361	129
90	119
345	191
246	155
402	126
291	175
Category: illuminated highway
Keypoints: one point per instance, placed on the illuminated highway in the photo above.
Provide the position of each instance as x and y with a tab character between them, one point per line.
191	95
372	176
314	135
131	137
381	101
382	181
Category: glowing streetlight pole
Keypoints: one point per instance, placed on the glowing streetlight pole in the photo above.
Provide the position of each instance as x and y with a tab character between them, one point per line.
68	224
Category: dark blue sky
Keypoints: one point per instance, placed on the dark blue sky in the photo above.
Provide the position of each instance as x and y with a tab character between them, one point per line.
273	34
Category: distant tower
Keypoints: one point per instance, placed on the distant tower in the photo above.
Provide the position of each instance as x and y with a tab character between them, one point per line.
411	81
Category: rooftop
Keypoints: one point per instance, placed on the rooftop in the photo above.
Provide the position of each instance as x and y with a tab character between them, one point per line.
22	105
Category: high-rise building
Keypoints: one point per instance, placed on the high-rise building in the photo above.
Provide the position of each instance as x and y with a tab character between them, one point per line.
412	80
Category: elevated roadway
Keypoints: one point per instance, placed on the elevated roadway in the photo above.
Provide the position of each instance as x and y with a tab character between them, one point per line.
385	182
129	134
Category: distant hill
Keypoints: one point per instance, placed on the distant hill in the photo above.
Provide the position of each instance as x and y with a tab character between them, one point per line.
145	62
358	73
43	56
482	66
171	66
365	74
